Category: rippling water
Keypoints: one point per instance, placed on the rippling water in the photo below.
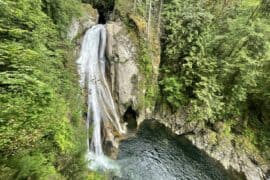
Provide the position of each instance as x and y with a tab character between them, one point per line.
154	154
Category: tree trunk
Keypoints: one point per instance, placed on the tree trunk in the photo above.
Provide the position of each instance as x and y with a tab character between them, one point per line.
159	15
149	19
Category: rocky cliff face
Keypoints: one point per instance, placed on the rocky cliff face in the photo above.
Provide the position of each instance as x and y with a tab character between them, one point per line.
128	86
80	24
216	143
123	66
128	79
124	74
228	154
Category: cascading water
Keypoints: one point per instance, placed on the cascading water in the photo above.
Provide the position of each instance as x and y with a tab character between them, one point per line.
153	153
91	65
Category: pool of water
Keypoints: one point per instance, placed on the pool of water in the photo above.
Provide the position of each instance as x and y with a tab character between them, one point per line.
155	154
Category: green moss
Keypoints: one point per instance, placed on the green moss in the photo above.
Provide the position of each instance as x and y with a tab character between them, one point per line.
123	7
213	138
147	80
88	10
148	52
92	175
140	23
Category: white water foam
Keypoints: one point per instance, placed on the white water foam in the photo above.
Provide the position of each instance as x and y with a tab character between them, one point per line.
101	107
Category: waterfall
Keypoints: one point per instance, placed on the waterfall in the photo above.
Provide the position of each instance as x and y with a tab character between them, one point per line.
101	107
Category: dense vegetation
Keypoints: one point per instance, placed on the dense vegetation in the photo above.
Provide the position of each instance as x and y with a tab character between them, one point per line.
216	63
41	138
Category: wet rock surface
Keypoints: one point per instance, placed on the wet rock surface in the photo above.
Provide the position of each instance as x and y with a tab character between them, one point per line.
124	75
214	144
123	66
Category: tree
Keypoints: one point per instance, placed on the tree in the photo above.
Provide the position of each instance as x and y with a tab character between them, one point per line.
218	59
38	139
149	19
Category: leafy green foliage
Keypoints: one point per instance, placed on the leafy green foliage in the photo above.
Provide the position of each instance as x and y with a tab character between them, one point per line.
61	11
146	69
217	56
40	106
264	8
186	60
35	167
172	88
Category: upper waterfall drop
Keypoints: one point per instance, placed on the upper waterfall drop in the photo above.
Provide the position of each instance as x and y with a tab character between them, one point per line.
101	107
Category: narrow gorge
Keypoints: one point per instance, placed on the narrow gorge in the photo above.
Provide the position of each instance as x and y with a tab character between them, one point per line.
110	72
103	121
134	89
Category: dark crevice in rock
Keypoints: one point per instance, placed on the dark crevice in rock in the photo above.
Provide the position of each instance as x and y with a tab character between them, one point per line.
108	147
102	18
268	174
130	117
104	7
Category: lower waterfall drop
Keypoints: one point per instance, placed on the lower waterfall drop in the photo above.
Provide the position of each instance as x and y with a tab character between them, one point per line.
91	66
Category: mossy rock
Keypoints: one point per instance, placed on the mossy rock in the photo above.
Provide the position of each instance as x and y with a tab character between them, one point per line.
89	17
88	12
123	7
140	23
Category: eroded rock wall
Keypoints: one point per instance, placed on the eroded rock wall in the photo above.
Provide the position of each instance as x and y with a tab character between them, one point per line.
79	25
215	142
123	66
128	86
